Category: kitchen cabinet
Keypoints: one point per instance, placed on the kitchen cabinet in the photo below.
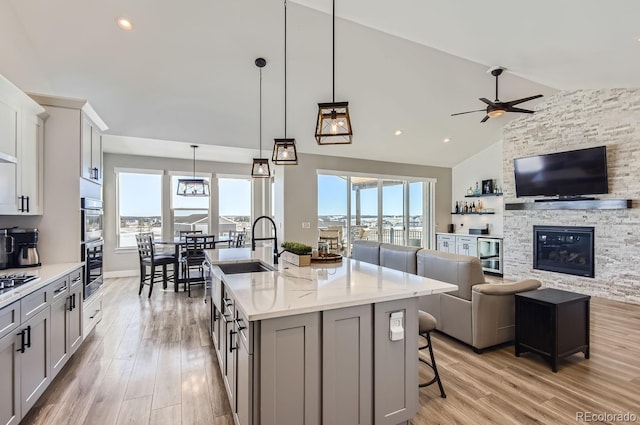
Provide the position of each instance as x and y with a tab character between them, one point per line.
10	382
446	243
66	319
34	353
91	312
91	151
9	365
467	245
227	349
21	152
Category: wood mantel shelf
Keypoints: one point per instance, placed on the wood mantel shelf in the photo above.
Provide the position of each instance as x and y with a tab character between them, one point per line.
595	204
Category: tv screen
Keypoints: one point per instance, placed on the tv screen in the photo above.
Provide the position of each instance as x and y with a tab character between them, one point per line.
566	174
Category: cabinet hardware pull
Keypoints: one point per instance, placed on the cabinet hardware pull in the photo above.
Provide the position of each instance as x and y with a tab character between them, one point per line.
76	280
74	301
227	302
94	314
21	209
70	298
61	289
27	204
22	343
239	326
231	347
224	318
29	336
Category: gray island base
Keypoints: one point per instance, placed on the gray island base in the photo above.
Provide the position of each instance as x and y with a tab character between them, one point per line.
314	345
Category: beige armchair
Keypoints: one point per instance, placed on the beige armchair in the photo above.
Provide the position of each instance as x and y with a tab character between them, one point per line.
478	313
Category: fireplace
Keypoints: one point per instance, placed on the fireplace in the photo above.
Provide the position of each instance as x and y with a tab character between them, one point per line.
563	249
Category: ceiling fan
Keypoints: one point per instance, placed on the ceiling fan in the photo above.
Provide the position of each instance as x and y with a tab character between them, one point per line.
497	108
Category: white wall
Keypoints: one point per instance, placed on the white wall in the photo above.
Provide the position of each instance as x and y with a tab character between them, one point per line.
18	59
484	165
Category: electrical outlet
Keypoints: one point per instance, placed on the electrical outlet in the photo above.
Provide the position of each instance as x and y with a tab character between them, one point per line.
306	225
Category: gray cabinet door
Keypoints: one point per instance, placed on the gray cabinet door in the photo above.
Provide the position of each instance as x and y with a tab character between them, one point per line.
229	355
347	358
96	154
75	319
85	149
10	382
395	365
244	387
59	335
35	362
290	370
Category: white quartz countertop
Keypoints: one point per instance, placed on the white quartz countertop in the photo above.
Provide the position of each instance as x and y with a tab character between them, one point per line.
46	274
294	290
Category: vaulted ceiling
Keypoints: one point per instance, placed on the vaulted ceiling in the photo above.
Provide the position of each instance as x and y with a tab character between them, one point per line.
187	74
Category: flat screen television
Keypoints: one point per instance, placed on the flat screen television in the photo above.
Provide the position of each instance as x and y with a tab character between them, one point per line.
565	174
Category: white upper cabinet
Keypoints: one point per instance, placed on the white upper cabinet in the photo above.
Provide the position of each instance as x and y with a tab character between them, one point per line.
21	150
91	147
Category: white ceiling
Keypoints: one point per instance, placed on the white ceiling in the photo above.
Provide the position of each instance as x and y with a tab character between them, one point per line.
186	73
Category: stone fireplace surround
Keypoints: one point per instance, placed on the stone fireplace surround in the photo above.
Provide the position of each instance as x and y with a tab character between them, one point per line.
574	120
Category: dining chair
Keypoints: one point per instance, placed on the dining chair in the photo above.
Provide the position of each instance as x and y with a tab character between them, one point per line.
149	258
238	241
183	233
193	257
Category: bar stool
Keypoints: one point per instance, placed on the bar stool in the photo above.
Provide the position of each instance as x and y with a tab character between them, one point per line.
149	258
426	324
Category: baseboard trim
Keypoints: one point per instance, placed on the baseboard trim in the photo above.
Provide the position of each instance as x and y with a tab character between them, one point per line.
121	273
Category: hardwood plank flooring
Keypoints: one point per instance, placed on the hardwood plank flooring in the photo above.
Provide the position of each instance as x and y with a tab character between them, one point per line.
150	361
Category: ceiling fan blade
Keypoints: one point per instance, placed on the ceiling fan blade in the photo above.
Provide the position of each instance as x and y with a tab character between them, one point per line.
523	111
524	99
486	117
487	101
469	112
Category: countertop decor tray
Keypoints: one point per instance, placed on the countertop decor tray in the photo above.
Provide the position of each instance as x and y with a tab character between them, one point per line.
329	258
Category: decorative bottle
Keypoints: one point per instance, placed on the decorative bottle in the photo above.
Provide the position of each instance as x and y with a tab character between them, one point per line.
457	208
477	192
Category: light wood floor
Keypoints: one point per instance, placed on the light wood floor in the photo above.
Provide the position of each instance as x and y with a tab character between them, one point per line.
150	362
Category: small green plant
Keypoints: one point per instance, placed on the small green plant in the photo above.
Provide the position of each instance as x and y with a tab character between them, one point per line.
297	248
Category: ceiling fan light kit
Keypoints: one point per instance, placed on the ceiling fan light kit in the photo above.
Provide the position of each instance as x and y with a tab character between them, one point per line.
284	150
194	186
260	166
497	108
333	126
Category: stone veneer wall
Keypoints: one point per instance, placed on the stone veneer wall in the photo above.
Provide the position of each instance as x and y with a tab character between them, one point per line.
574	120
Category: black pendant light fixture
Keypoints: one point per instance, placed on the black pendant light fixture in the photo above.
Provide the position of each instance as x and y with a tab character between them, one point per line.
284	150
334	125
194	186
260	167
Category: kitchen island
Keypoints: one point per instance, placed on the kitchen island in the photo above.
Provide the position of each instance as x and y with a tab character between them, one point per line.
314	345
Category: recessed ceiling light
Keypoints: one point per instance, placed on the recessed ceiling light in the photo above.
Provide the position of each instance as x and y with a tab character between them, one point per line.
447	140
398	132
125	24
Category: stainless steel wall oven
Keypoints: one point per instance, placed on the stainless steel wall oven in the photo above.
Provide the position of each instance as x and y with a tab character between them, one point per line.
92	255
92	219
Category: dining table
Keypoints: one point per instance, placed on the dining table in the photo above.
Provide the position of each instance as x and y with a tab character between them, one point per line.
179	243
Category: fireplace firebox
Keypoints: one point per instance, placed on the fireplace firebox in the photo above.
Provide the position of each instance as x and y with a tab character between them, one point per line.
563	249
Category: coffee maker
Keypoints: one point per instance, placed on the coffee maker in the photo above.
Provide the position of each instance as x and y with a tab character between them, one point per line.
25	253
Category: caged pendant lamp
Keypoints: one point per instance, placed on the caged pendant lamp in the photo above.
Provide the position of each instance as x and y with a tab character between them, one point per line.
333	126
260	167
194	186
284	150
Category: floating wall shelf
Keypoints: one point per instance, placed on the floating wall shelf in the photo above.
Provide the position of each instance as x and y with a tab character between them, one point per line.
482	195
472	213
596	204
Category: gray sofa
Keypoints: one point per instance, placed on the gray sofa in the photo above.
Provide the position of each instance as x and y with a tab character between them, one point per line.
479	314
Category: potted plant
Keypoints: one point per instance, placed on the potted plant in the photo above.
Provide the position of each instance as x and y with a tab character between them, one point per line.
296	253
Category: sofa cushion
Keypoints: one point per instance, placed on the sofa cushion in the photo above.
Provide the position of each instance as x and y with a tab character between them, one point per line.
368	251
399	257
460	270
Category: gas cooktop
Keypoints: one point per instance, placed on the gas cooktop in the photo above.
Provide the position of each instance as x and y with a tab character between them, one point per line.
12	281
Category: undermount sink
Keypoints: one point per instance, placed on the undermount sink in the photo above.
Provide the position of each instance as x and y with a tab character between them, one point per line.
247	267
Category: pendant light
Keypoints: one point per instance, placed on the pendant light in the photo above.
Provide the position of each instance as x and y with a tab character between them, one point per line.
333	126
260	167
194	186
284	150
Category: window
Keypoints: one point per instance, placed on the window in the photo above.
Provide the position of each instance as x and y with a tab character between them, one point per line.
139	205
189	212
234	205
391	210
